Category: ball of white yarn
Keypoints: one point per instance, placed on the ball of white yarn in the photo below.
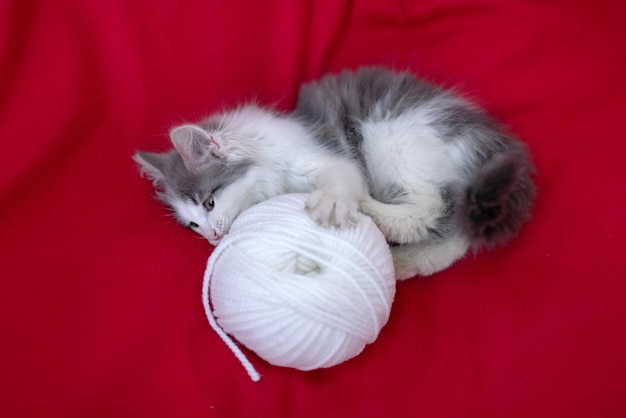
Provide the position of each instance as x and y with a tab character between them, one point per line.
298	294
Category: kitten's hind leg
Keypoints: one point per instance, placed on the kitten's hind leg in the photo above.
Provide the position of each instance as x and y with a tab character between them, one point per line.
424	259
417	218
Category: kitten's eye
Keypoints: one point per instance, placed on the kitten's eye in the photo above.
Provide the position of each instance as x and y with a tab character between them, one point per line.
209	203
193	225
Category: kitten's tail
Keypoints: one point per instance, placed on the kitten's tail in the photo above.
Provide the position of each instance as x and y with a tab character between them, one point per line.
498	200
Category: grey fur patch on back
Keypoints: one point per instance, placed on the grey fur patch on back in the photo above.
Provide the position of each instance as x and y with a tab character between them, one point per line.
359	93
336	105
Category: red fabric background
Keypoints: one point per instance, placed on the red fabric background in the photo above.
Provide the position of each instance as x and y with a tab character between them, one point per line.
100	311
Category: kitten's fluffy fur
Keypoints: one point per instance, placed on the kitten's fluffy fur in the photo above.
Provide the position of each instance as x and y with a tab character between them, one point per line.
434	172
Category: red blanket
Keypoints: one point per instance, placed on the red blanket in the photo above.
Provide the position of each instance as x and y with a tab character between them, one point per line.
100	309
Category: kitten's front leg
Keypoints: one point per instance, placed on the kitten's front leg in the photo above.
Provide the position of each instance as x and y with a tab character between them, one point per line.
335	201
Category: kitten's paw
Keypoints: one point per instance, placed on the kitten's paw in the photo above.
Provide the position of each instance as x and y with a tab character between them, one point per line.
328	209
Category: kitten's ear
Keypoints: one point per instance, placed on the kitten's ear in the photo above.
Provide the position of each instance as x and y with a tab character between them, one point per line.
153	165
196	146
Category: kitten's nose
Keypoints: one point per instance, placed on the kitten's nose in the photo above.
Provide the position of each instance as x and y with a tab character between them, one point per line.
211	235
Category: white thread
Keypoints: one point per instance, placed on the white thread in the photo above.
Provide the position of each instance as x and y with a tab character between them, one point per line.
298	294
254	375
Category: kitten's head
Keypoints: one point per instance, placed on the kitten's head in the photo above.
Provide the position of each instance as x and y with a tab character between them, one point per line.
197	181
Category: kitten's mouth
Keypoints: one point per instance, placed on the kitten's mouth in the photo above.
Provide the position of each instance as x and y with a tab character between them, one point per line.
214	238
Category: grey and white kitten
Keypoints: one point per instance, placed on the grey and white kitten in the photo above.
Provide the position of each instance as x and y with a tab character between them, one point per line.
434	172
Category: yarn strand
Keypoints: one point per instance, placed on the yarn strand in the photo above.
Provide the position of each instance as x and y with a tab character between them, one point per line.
247	365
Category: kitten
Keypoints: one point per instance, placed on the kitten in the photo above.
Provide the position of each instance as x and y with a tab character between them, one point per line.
434	172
